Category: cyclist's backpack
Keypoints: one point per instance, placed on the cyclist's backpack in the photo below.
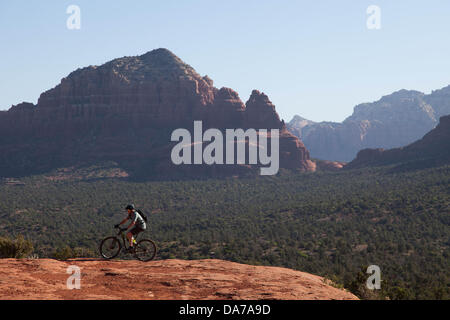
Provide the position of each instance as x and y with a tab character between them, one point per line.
142	214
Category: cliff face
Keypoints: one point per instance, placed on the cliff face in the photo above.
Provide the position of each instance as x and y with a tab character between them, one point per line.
157	85
161	280
432	150
395	120
297	124
125	111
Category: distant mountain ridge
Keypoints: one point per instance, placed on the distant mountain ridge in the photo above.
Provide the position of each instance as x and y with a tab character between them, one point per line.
393	121
432	150
297	124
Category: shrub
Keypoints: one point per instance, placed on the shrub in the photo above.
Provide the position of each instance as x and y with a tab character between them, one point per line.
69	253
63	253
15	248
81	252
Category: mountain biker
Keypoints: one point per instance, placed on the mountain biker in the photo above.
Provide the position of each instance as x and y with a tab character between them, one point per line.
137	223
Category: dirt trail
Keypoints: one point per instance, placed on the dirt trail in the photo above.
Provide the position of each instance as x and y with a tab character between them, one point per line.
163	279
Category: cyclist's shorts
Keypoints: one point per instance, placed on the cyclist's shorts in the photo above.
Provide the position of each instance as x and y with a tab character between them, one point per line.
135	230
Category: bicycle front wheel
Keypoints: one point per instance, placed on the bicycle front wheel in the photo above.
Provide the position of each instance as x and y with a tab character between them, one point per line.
145	250
110	247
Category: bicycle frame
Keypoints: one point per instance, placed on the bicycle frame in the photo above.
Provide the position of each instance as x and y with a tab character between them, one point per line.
122	235
141	251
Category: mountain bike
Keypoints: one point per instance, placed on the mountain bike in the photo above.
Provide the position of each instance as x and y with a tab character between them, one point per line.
110	247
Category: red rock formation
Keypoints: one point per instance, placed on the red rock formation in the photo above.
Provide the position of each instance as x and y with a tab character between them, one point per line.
161	280
325	165
125	111
261	112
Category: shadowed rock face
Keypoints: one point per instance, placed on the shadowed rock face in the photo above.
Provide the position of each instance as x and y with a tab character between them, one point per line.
394	121
125	111
432	150
173	279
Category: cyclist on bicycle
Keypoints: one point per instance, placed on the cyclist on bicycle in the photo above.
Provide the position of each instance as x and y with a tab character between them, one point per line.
137	225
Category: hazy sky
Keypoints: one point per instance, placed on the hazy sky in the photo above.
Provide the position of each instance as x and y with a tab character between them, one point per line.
317	59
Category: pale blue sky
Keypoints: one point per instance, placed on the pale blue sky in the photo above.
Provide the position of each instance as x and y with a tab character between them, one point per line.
313	58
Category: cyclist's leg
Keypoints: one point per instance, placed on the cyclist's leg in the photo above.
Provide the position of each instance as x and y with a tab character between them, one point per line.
130	237
133	234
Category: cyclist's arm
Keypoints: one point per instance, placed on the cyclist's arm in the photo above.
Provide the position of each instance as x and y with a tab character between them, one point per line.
123	221
131	224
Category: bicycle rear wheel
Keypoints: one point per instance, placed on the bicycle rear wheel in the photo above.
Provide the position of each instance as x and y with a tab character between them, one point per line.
145	250
110	247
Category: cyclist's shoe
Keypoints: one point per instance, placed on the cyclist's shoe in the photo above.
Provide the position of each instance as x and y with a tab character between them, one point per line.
130	250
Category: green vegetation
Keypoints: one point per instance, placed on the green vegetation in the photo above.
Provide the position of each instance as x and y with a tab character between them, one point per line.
330	224
15	248
69	253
